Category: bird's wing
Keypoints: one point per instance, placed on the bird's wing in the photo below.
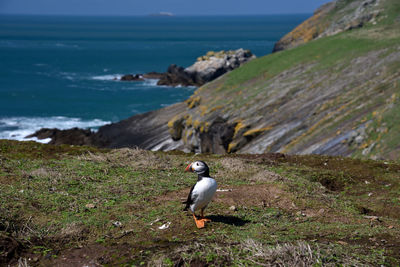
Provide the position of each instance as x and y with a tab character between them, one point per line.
190	199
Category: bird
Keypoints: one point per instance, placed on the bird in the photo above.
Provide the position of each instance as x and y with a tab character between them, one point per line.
201	193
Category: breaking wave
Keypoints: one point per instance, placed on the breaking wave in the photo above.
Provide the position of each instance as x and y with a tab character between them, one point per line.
17	128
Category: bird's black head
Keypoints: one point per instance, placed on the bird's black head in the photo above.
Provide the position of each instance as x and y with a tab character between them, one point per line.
199	167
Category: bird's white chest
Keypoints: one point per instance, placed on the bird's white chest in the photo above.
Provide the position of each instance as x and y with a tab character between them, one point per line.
203	192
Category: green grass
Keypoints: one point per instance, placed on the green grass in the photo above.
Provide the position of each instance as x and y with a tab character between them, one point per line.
109	205
325	52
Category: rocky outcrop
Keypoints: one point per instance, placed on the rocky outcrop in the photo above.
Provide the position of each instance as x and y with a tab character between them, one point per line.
330	19
214	64
131	77
206	69
175	76
74	136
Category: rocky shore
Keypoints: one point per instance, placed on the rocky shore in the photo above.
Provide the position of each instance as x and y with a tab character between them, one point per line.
205	69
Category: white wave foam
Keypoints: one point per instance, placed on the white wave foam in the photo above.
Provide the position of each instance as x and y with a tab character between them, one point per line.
151	82
66	45
107	77
69	75
16	128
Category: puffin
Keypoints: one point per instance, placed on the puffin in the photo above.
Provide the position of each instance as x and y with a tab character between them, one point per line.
201	193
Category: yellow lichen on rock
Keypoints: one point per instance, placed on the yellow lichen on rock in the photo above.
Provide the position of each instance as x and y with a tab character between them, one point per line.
193	101
216	108
232	147
175	127
196	124
188	121
172	121
255	132
203	110
239	126
204	127
210	53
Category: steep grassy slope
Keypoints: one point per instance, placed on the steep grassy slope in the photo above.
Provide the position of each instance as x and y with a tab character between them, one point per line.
78	206
337	95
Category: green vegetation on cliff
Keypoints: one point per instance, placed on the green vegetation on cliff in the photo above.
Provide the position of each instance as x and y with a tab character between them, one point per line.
334	95
66	206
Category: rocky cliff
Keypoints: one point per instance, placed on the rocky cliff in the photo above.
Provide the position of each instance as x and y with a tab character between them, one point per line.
335	95
330	19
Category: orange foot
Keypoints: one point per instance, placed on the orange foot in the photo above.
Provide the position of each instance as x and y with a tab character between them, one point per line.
199	223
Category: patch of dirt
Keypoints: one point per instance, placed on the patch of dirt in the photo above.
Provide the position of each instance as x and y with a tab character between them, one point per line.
256	195
234	164
92	256
265	195
266	176
73	231
9	179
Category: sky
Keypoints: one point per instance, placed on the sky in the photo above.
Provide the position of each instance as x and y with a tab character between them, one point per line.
146	7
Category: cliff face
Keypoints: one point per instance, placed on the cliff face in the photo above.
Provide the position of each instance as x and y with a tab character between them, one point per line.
336	95
330	19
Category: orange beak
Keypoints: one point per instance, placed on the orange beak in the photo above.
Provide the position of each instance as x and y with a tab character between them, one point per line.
189	168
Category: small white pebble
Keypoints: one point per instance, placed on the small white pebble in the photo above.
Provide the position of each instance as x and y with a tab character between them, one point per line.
224	190
117	224
164	226
233	208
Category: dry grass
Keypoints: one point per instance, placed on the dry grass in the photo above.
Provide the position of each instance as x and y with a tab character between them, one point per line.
126	157
267	176
249	253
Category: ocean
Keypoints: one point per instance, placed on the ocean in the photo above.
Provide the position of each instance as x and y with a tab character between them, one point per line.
59	71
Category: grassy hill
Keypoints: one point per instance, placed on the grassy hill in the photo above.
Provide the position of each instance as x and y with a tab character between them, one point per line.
76	206
336	94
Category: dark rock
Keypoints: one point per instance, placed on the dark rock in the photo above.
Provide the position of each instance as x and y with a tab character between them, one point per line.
131	77
217	138
153	75
74	136
148	131
175	76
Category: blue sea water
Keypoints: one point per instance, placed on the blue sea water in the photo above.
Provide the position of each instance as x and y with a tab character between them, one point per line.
58	71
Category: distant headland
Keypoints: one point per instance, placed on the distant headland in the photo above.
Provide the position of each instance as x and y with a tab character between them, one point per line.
162	14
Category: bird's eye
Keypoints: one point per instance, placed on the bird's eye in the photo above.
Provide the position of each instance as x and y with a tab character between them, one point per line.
197	164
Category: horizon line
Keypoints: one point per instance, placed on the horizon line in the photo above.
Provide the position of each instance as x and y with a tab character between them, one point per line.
150	15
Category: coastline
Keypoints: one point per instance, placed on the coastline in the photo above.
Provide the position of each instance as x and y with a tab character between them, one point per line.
57	74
